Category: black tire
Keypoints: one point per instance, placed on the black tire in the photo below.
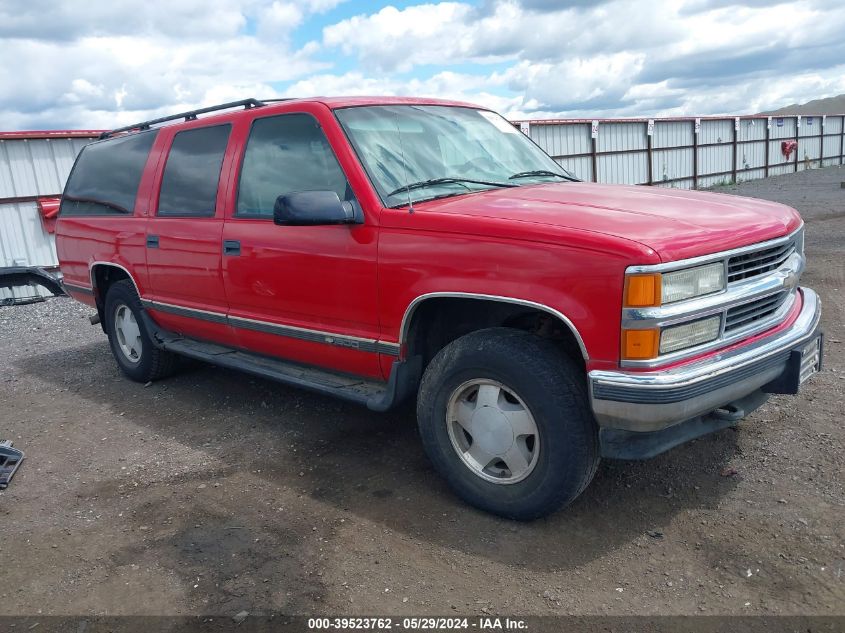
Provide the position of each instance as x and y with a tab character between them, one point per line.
552	388
153	363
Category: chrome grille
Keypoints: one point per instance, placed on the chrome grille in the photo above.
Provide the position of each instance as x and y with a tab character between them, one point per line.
749	313
760	262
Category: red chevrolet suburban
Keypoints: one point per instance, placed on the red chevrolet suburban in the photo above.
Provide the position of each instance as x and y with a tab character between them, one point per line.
379	249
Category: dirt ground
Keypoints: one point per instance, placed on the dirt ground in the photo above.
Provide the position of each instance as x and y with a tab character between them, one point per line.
214	492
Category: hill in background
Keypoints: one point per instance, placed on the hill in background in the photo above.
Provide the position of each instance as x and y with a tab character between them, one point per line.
830	105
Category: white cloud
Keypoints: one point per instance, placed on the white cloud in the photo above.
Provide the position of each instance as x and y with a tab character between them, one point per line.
444	85
321	6
105	80
603	79
397	40
623	56
107	62
279	19
69	20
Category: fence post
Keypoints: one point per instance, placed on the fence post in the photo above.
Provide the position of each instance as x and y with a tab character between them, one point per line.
821	141
797	133
648	134
735	147
768	139
695	124
842	139
593	145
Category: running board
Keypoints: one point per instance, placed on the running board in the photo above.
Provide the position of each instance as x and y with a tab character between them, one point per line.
346	387
377	396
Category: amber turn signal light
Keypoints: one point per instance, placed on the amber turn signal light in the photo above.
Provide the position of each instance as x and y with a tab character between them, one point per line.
642	291
640	344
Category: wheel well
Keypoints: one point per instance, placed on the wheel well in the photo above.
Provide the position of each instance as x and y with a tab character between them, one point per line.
438	321
102	278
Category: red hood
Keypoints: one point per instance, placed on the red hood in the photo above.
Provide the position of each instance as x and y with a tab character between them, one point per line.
676	223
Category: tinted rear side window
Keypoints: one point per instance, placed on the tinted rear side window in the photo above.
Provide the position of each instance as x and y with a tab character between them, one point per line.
105	178
284	154
192	173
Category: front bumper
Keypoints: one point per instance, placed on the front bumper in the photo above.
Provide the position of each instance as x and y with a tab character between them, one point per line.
655	400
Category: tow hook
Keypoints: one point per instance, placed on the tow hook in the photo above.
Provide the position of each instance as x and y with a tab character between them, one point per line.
738	409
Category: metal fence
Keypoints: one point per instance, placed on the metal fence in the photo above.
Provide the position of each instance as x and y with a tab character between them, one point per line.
689	153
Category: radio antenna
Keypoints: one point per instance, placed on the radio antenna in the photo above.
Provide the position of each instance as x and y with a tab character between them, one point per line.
404	164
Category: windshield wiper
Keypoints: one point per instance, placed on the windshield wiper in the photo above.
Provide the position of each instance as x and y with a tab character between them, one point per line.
453	179
540	172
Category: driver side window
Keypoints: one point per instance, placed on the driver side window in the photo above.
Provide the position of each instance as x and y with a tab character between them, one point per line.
285	154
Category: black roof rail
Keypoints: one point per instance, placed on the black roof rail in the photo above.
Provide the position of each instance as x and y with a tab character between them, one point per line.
187	116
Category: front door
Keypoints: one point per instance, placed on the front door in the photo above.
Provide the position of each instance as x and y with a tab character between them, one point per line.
305	293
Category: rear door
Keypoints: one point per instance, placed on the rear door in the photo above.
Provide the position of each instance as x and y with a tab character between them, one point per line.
184	234
306	293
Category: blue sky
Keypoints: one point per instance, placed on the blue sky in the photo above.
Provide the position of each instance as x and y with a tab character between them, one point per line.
103	63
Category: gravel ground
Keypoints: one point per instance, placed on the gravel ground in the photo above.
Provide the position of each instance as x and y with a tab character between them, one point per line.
214	492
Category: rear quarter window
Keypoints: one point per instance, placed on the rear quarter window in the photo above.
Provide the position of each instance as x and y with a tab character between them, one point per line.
105	177
192	172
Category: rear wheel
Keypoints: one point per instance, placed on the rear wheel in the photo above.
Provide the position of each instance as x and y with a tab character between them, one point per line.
505	419
130	342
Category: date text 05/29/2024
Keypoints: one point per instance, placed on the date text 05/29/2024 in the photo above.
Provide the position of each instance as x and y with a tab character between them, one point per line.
484	623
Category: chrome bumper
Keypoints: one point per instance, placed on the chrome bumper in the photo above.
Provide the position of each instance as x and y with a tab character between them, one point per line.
654	400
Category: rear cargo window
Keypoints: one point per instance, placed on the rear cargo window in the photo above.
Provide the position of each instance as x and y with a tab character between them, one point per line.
192	173
284	154
105	178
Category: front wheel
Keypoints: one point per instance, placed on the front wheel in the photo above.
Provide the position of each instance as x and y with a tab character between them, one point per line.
504	418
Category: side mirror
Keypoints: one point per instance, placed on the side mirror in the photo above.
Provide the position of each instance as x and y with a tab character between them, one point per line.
310	208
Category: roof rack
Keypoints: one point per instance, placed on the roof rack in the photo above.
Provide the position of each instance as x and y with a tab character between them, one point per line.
187	116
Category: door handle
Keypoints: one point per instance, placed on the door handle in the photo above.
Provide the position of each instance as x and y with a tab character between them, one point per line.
152	241
231	247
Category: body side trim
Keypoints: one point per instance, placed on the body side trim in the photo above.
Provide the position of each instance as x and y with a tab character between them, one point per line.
205	315
304	334
316	336
84	290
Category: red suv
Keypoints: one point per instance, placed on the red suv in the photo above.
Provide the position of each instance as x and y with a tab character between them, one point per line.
379	249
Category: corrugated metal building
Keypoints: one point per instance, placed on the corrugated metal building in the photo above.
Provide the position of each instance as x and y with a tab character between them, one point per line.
33	167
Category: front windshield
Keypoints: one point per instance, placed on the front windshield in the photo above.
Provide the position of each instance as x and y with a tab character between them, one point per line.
425	152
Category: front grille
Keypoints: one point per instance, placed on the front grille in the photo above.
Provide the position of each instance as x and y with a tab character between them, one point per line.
760	262
742	316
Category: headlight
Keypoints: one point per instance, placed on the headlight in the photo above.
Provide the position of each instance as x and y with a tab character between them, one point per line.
655	289
693	282
689	334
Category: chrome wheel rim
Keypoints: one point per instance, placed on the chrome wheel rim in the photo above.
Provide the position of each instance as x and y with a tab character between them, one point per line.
128	333
493	431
